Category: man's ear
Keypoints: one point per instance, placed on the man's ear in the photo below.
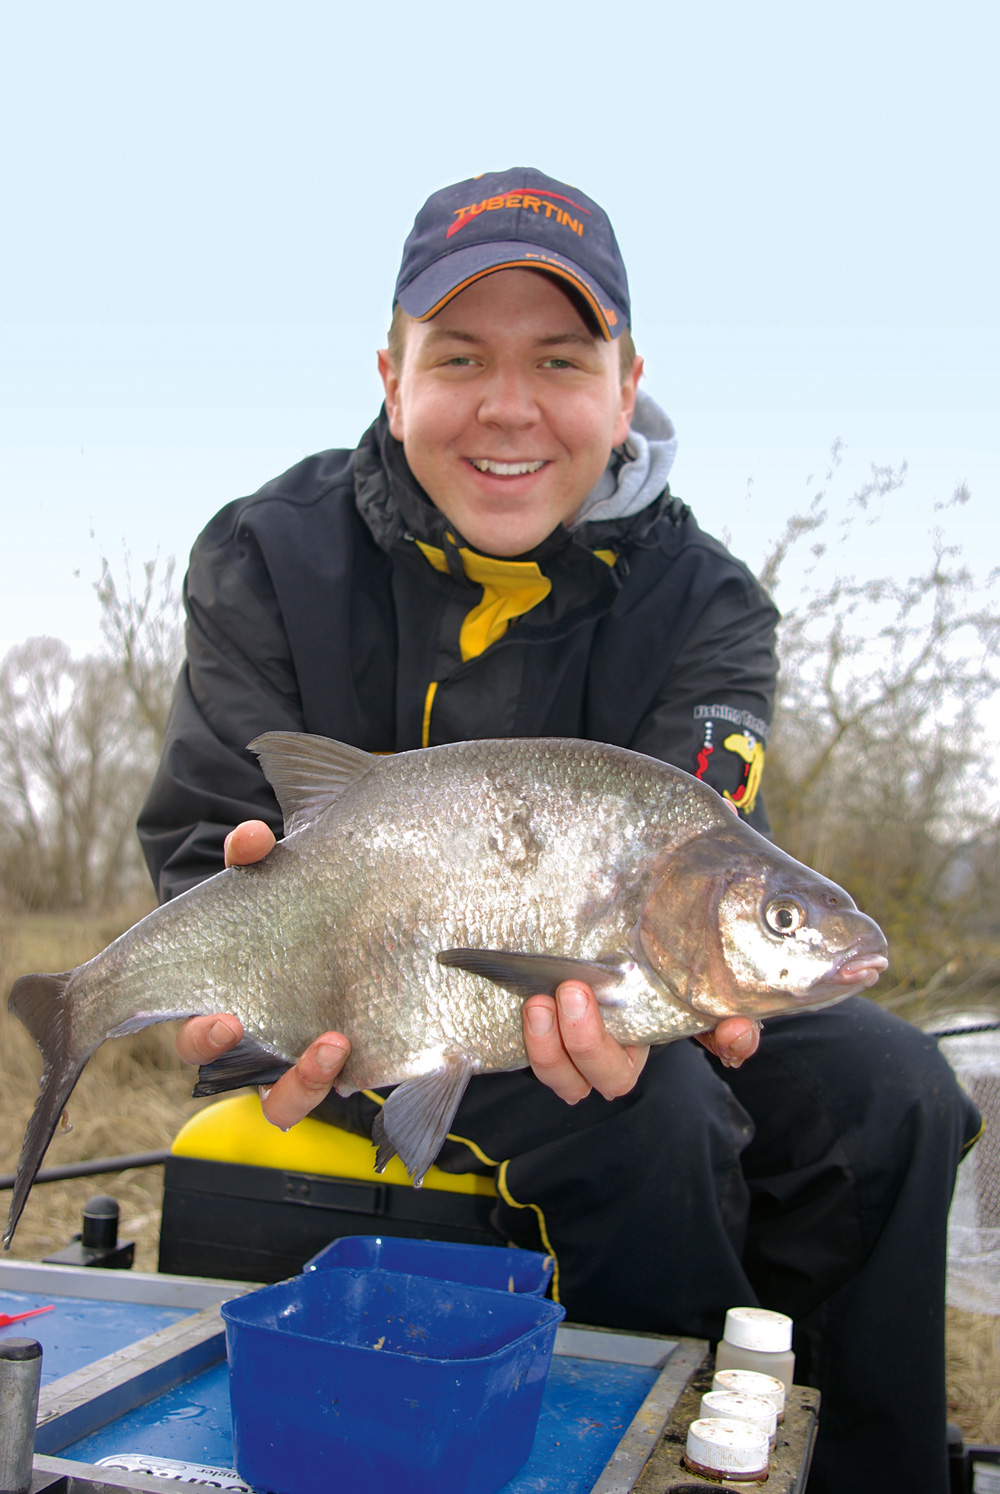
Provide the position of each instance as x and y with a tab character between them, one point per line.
630	387
390	383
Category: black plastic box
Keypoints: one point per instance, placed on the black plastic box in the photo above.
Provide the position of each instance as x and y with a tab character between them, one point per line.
241	1223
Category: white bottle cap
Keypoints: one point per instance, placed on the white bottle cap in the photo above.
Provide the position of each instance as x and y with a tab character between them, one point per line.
732	1406
757	1329
731	1448
752	1382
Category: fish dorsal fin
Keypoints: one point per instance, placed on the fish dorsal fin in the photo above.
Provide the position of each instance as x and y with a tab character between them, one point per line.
308	772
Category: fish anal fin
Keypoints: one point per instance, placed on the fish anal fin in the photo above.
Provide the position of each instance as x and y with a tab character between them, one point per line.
40	1002
417	1116
539	974
308	772
246	1065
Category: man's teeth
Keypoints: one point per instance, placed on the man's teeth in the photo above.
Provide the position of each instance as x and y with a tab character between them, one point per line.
505	469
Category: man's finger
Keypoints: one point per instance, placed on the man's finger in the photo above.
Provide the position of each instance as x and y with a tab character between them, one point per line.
569	1050
547	1054
204	1039
300	1090
249	842
733	1040
602	1061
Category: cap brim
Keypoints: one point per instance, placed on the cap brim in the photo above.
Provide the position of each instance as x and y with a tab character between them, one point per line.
430	291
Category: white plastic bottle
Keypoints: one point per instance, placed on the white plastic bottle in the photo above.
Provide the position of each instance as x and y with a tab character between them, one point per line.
756	1339
752	1382
727	1450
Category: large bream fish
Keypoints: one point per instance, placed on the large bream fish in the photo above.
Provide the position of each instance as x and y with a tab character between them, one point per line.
417	899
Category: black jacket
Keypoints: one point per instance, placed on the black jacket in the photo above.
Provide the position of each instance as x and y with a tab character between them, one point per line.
312	608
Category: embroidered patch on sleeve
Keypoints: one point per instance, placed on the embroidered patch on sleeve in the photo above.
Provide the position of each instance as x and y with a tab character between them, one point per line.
748	745
750	750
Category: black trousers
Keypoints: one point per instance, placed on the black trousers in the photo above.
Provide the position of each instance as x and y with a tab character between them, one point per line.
814	1180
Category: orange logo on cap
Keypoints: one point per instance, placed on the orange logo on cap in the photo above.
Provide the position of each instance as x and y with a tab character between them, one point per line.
537	201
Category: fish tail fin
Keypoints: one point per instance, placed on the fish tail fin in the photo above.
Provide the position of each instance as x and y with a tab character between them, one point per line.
41	1003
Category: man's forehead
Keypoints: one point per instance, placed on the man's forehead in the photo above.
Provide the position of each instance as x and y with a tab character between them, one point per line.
446	329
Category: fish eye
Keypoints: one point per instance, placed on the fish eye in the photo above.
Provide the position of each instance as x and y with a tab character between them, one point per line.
783	915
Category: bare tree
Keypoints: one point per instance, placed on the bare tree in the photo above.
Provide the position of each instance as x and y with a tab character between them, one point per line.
142	630
881	773
71	776
79	740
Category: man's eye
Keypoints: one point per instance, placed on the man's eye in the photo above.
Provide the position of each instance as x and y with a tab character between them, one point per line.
557	363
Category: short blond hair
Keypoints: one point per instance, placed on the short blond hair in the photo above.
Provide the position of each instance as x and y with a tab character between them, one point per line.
400	318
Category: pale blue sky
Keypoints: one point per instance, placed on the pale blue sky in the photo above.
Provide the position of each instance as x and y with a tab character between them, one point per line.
204	206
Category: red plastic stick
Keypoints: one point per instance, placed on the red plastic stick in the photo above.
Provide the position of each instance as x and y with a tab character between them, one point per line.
7	1318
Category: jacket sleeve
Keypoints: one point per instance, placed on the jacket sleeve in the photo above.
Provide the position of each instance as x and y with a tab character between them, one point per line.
237	682
712	715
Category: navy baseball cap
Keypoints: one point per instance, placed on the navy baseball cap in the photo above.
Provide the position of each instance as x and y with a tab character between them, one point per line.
517	219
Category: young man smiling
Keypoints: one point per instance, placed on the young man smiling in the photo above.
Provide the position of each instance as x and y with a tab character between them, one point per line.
507	407
502	556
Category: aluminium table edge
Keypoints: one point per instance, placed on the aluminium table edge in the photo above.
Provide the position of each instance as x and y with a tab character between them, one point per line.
149	1287
52	1475
78	1403
633	1452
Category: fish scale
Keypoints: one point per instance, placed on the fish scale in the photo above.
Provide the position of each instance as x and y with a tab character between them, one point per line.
416	900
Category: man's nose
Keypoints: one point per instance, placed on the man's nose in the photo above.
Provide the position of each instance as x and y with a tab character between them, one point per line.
508	400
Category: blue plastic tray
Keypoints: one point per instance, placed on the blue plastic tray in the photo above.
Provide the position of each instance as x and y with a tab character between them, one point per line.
586	1408
394	1380
80	1330
490	1266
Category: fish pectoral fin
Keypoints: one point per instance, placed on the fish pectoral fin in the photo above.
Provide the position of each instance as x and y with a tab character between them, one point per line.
416	1118
308	772
244	1066
537	974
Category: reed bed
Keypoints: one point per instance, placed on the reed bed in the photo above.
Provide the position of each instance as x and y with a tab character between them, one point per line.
135	1094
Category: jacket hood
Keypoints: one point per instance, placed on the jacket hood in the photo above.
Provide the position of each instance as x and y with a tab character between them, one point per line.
631	496
637	473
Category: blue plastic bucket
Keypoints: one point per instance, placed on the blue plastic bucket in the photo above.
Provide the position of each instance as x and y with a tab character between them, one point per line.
365	1380
490	1266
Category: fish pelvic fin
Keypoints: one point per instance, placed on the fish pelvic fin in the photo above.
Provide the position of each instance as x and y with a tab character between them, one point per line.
246	1065
417	1116
308	772
42	1004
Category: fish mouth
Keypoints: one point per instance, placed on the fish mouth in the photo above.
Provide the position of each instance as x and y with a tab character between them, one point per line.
857	969
854	969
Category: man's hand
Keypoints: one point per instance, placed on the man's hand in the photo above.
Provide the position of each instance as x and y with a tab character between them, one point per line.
734	1039
204	1039
570	1051
249	842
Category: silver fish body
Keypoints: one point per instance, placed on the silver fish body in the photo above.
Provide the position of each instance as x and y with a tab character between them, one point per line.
417	899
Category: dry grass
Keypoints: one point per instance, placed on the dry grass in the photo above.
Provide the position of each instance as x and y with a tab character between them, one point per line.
135	1094
974	1375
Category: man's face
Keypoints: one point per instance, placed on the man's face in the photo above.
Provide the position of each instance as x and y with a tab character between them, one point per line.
508	408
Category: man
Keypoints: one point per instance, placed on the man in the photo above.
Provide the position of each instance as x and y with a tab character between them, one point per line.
502	556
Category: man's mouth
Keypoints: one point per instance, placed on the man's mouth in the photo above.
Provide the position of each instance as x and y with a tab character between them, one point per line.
505	469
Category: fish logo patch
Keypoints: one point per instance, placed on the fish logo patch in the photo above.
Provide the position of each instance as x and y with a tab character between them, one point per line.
746	746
